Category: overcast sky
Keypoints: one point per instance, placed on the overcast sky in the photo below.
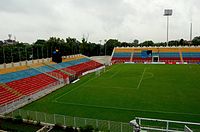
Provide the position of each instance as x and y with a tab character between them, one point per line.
125	20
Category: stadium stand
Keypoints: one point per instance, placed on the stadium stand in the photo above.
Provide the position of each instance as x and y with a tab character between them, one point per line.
6	95
72	58
9	77
30	85
162	54
83	67
13	69
23	81
19	68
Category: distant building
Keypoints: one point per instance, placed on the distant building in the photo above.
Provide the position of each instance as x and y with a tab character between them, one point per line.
9	41
1	42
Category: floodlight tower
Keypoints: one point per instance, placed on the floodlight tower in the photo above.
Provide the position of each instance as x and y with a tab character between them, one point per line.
168	13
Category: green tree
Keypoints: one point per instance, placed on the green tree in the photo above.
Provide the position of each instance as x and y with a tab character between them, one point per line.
174	43
196	41
110	44
136	42
147	43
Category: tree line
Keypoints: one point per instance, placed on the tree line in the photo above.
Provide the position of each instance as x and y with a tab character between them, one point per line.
69	46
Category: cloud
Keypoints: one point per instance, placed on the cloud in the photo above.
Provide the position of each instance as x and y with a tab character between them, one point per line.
126	20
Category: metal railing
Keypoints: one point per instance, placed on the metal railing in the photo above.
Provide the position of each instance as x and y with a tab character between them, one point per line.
101	125
166	125
15	104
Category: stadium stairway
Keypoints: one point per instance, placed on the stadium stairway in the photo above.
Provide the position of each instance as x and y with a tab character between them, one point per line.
181	56
132	54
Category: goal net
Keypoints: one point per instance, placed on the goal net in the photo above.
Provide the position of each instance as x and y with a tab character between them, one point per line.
100	71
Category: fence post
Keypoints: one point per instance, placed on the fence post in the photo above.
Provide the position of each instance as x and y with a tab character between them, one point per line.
12	114
27	113
121	127
64	121
85	122
20	112
36	115
54	118
140	122
74	121
97	124
45	117
108	125
167	126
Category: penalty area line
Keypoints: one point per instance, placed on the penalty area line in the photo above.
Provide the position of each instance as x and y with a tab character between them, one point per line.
80	85
75	88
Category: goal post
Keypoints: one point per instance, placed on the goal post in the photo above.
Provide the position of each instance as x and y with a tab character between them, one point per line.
99	71
166	125
187	129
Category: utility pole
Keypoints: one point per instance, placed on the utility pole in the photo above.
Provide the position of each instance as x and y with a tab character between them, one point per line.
105	46
100	47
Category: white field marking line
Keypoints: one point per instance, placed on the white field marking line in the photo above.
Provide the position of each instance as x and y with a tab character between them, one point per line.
113	75
79	86
152	75
112	68
75	88
102	87
141	78
127	109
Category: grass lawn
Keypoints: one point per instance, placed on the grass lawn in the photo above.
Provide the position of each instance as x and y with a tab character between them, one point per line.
126	91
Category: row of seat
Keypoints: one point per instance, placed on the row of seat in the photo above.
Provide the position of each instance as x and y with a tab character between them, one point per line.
30	85
163	57
7	96
35	63
8	77
33	80
83	67
122	54
59	74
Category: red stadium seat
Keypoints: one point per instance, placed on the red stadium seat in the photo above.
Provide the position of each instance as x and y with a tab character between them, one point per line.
7	96
30	85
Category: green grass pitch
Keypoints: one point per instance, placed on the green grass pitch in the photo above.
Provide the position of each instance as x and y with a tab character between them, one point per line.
125	91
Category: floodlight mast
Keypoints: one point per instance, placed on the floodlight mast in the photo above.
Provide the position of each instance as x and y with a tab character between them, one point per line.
167	13
191	32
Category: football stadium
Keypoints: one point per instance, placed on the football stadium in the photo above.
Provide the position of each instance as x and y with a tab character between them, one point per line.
139	88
